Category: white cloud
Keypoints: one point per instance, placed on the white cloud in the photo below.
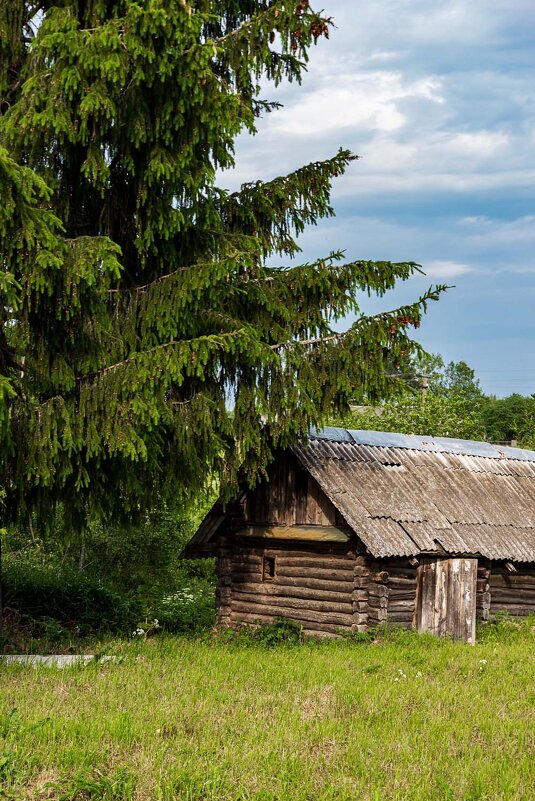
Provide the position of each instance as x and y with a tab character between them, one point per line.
446	269
362	100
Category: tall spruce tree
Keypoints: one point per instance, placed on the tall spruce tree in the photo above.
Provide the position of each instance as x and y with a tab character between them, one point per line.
146	341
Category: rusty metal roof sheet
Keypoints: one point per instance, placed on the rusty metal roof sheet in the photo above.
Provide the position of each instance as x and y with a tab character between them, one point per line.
403	495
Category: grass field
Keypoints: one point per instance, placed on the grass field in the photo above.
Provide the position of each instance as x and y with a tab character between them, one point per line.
177	718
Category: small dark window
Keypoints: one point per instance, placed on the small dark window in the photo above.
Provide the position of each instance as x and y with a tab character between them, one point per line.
268	568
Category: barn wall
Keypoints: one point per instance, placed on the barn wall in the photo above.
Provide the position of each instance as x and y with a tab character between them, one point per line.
313	584
386	591
401	591
289	497
512	592
483	590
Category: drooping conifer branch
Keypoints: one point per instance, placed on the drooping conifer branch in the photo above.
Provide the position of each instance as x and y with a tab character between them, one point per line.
146	343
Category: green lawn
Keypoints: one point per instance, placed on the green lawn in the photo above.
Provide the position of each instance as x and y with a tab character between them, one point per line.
176	718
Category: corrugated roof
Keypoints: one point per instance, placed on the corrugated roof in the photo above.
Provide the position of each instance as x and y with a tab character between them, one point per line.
404	494
417	442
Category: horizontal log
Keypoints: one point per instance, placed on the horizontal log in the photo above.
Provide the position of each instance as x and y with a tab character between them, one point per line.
517	611
402	595
317	551
514	597
338	605
400	606
338	574
273	587
393	571
334	585
243	562
247	565
399	619
311	615
330	585
317	560
401	581
253	578
373	622
310	627
528	575
503	583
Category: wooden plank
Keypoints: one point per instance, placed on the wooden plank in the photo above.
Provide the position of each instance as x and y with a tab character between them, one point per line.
301	493
319	533
314	552
313	510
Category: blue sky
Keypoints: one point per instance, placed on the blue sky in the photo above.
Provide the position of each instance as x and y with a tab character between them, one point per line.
439	100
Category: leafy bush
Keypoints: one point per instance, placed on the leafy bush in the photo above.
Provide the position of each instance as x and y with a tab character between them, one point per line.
190	608
52	598
282	631
504	628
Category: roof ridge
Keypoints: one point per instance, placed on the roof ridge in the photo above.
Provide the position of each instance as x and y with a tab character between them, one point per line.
421	442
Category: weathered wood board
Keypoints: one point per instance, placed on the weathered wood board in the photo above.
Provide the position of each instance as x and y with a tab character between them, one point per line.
446	598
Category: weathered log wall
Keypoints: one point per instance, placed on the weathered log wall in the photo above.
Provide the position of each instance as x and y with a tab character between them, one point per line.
331	587
483	590
512	592
386	591
401	591
313	584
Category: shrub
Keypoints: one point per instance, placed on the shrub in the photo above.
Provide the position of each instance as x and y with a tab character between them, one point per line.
53	598
282	631
190	608
504	628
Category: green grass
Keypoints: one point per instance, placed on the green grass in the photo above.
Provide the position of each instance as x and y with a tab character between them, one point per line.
207	720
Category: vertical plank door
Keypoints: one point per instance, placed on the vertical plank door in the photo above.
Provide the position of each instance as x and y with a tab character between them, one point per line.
446	598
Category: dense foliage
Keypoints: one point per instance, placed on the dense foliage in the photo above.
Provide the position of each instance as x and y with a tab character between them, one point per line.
59	586
453	405
146	343
434	416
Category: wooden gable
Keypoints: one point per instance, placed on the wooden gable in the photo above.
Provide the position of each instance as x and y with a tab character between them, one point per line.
290	496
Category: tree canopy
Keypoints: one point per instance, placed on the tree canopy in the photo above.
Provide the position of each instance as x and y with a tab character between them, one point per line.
146	341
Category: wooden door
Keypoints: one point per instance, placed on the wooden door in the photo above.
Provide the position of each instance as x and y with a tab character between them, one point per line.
446	598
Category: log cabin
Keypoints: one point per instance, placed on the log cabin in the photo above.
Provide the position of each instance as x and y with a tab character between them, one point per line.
356	529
